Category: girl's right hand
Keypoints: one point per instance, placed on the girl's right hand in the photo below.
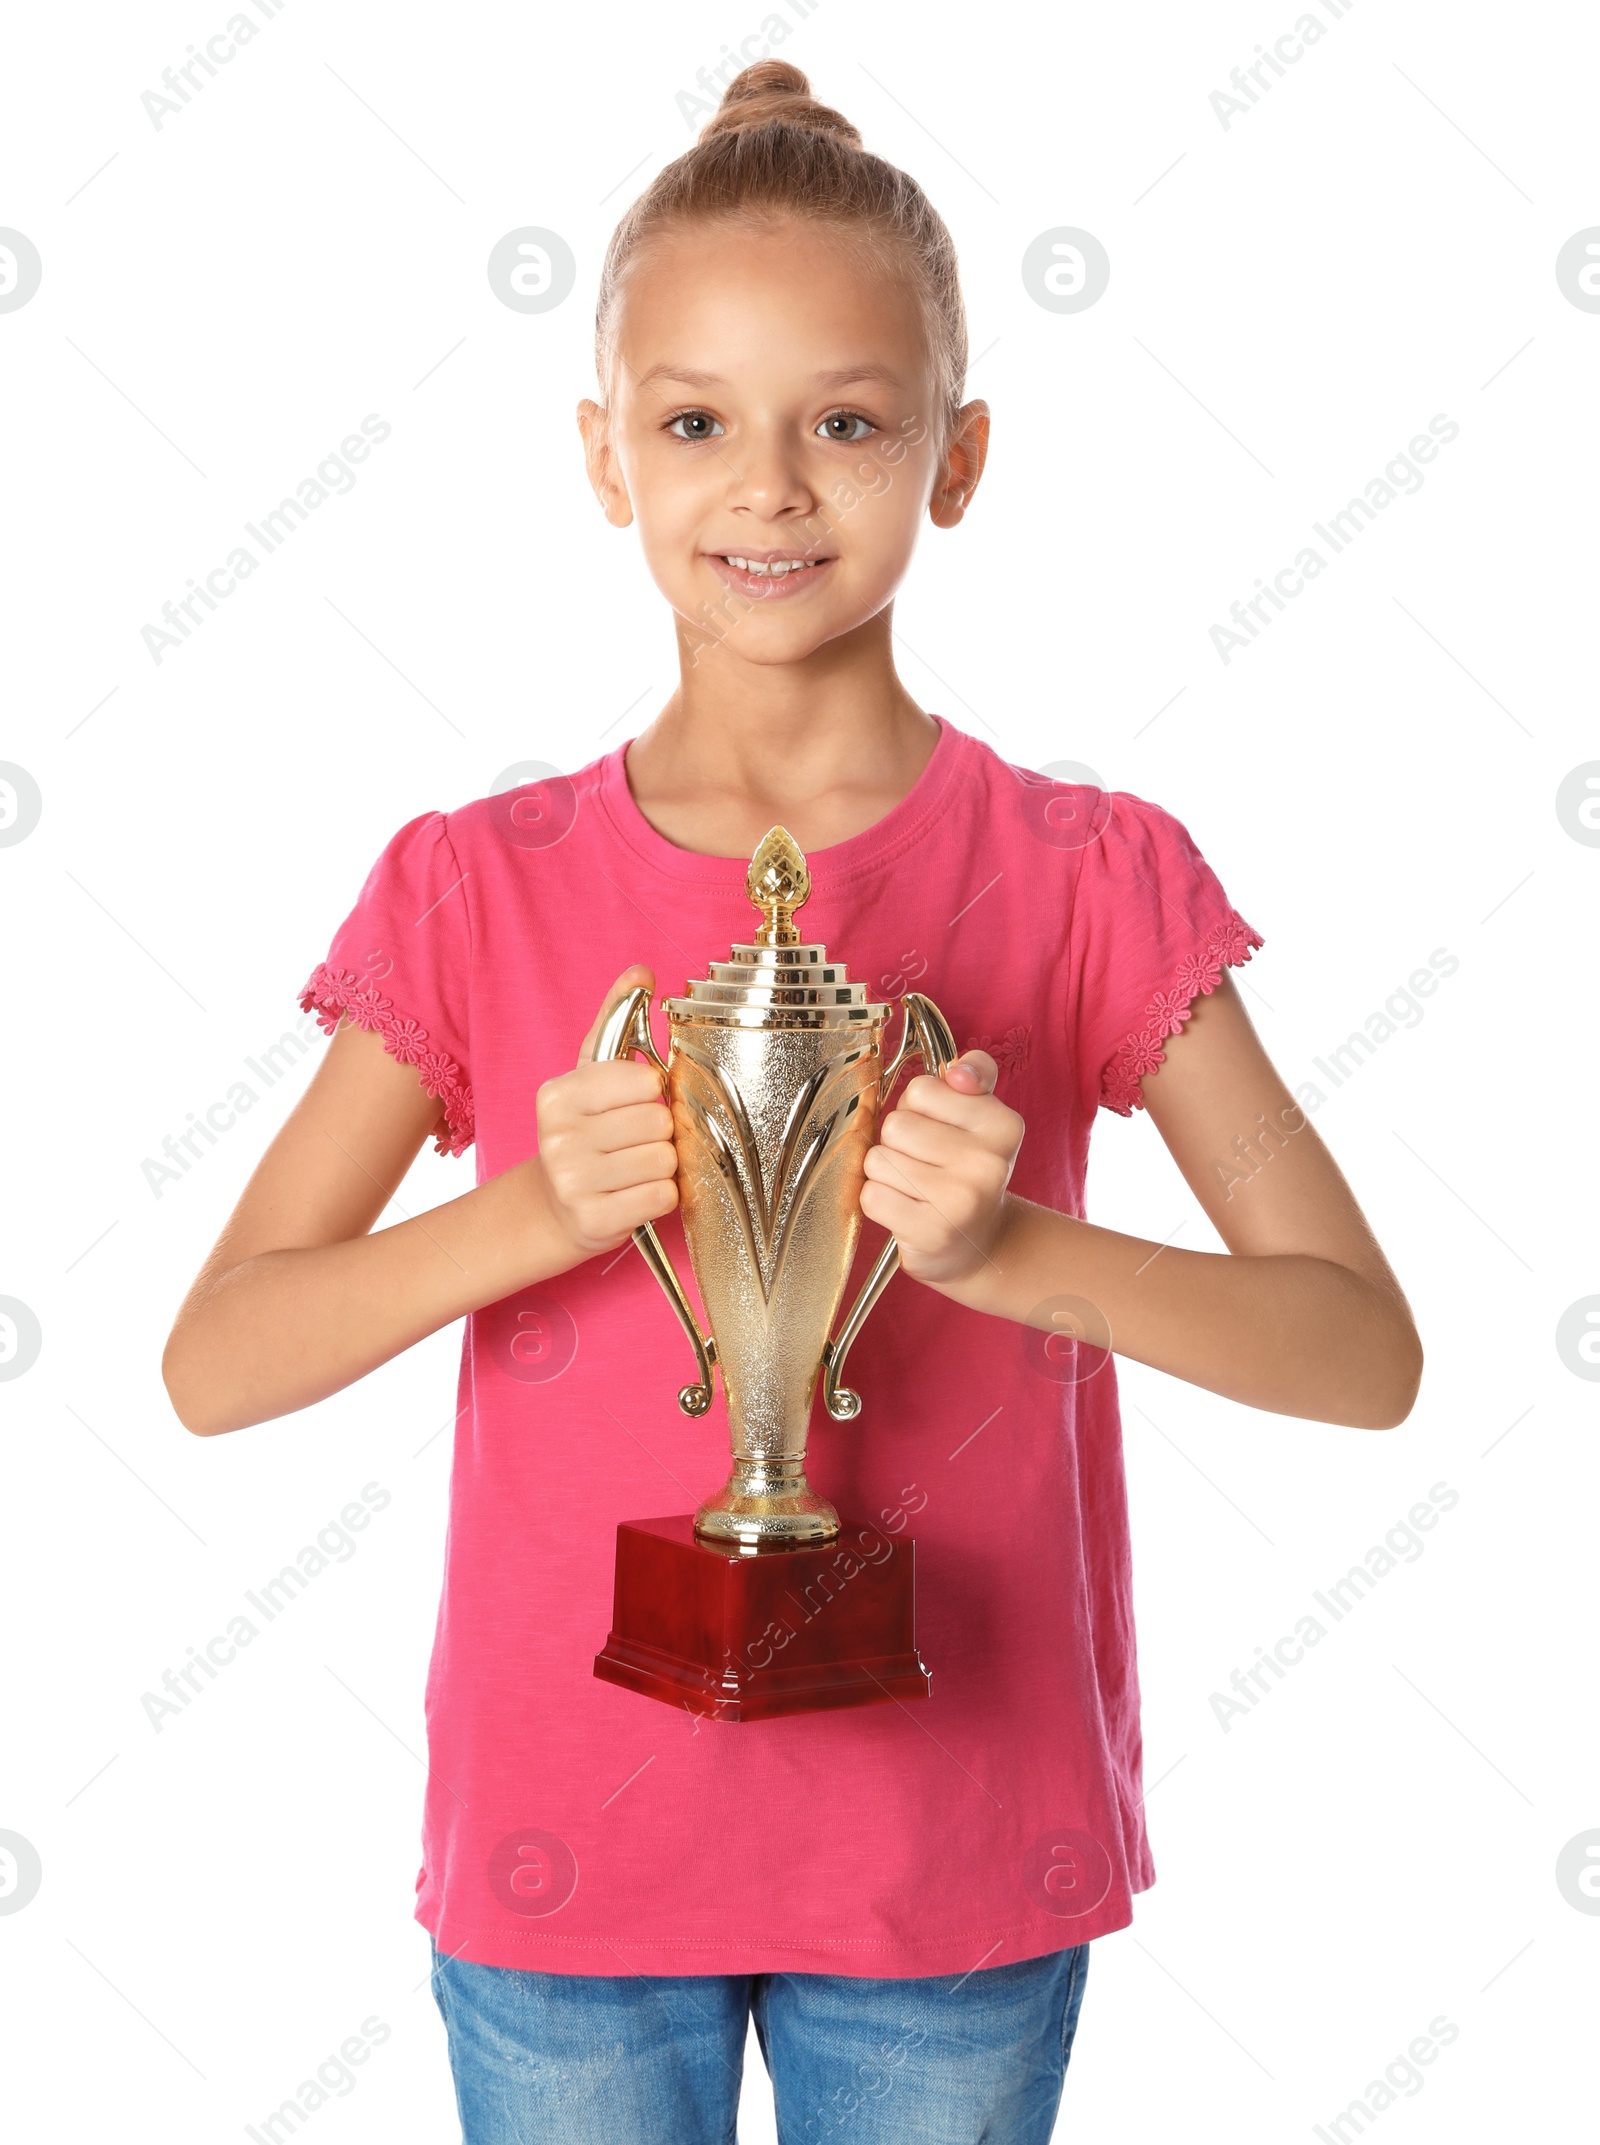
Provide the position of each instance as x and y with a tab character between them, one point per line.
605	1141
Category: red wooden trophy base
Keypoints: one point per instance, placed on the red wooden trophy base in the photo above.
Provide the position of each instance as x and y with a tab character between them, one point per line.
737	1635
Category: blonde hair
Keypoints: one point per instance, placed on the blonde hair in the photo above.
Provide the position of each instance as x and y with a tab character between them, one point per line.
771	150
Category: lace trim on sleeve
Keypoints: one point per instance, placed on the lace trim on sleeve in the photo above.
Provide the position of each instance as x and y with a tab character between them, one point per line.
1230	944
332	991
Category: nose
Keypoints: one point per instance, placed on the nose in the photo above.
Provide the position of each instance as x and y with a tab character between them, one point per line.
767	477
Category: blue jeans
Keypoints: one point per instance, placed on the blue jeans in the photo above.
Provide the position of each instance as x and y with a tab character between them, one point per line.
656	2059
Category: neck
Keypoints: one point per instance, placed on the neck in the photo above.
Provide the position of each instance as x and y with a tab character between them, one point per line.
828	745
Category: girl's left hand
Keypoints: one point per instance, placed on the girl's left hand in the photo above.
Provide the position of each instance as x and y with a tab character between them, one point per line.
937	1175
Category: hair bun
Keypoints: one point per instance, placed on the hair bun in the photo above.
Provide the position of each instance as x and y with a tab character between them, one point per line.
774	93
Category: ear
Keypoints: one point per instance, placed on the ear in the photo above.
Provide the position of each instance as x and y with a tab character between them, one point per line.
961	467
600	459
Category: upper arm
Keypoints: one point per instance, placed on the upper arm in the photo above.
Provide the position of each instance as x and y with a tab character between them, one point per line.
336	1161
1247	1149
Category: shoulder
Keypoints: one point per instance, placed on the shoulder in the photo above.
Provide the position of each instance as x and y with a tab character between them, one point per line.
1063	806
1135	832
1143	871
1114	836
532	806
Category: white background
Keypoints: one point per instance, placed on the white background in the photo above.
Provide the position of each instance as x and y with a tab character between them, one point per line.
1292	298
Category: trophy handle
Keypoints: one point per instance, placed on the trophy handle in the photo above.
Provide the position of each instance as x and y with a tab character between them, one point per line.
628	1029
926	1034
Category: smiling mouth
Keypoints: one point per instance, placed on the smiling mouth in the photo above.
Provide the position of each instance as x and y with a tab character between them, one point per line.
775	567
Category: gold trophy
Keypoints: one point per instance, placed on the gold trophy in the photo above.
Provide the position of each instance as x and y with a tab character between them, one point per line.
775	1075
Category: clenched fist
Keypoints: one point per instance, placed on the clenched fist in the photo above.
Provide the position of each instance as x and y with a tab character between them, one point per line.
605	1141
937	1175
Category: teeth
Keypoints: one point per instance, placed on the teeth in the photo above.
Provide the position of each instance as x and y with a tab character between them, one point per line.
777	567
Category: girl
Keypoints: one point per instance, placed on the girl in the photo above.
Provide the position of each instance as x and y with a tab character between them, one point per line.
903	1897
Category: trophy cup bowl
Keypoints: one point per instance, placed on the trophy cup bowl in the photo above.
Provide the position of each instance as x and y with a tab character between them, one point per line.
775	1075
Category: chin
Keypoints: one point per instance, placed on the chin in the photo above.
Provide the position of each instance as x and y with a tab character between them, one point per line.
781	635
768	650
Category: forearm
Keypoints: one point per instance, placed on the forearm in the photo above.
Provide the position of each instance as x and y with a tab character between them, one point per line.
1294	1334
284	1329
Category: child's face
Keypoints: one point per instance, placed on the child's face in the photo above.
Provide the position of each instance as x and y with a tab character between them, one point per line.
773	400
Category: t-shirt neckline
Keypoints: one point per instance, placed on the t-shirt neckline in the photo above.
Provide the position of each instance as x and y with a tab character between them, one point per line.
832	866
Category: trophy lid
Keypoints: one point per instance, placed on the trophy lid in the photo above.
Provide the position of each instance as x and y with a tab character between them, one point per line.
777	979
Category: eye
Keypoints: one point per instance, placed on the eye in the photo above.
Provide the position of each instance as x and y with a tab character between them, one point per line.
846	418
700	423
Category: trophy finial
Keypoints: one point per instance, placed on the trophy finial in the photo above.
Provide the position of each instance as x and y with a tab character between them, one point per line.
778	883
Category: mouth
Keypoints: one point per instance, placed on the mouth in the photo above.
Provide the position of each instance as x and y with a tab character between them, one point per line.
769	575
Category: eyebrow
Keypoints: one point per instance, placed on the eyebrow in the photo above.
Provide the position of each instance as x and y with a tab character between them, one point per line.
846	376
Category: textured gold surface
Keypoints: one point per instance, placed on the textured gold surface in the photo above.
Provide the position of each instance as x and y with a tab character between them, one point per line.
775	1077
778	883
772	1127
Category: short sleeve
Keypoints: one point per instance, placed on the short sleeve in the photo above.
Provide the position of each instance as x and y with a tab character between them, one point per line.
1152	930
401	963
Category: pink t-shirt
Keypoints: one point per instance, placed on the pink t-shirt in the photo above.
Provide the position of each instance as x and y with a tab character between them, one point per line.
574	1826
